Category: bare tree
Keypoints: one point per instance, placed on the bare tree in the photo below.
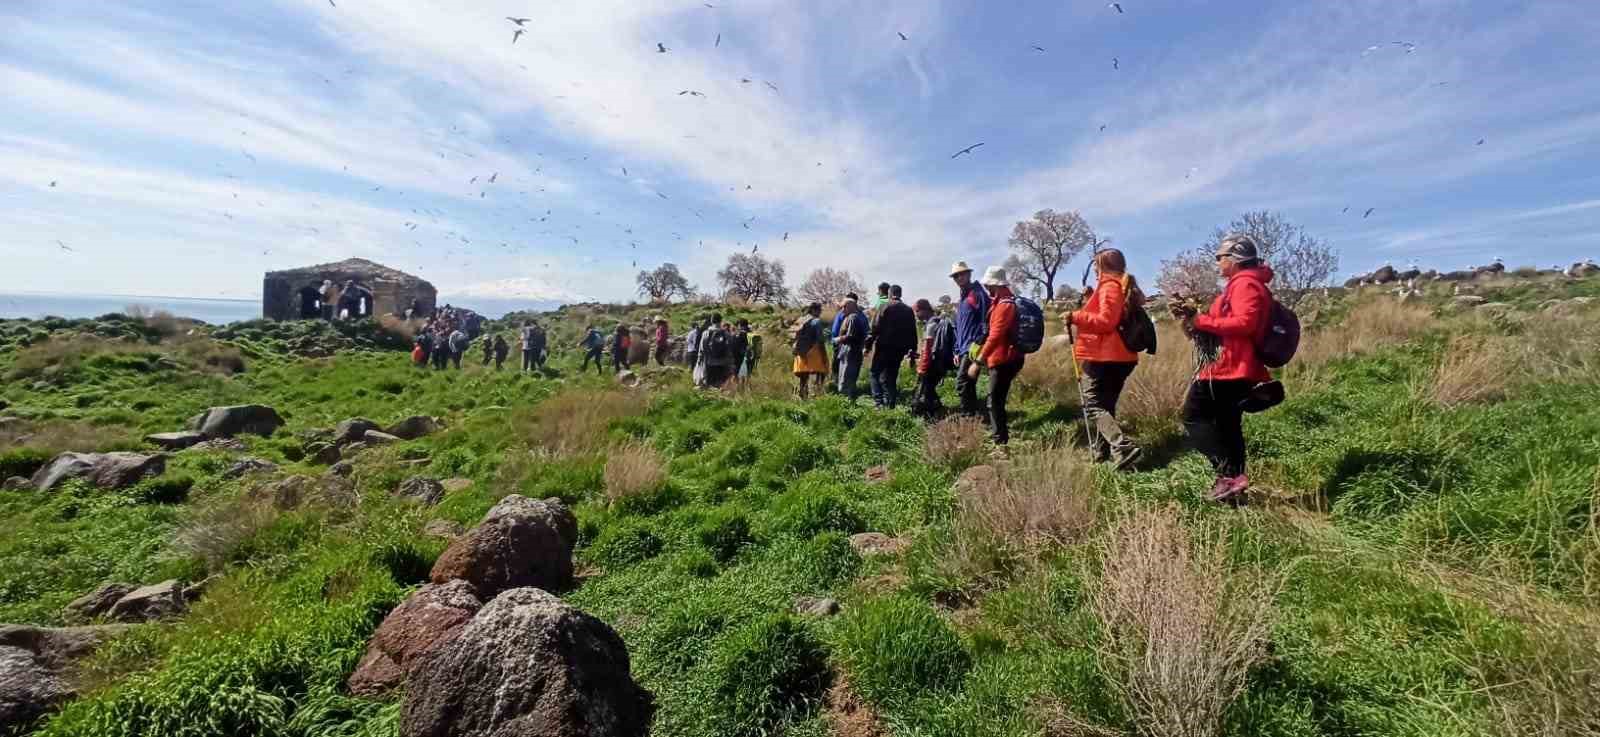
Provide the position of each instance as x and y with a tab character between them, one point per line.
826	285
754	277
1188	274
1041	246
1300	262
663	283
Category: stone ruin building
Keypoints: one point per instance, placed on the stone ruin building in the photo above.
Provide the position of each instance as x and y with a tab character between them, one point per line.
364	289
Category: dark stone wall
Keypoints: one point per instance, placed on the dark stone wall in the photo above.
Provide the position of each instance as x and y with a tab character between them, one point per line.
280	293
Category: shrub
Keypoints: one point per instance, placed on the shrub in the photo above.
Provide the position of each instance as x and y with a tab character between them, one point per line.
22	462
897	649
1181	630
956	443
766	674
805	513
573	422
634	470
1040	503
724	532
215	531
170	489
1474	369
625	543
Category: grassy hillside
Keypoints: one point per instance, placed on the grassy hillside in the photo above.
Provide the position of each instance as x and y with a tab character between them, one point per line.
1421	557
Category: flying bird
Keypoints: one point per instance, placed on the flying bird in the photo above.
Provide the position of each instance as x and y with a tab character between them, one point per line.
719	41
330	2
693	93
518	21
515	34
1480	141
1345	210
902	36
64	246
624	171
1410	47
1368	212
661	48
1039	49
1115	64
786	235
769	84
493	177
1118	6
744	80
1102	128
662	196
966	150
52	183
472	180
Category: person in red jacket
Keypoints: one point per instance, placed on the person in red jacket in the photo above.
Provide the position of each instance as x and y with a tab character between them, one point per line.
1212	416
1000	352
1105	360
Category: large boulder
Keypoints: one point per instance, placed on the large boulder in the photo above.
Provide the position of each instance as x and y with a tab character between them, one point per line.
521	542
413	427
1583	269
104	470
351	430
175	440
147	603
421	489
376	437
246	466
226	422
434	612
527	664
16	483
35	668
1384	275
95	603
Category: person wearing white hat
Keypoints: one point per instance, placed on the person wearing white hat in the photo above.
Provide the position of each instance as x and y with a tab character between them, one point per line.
1000	352
972	326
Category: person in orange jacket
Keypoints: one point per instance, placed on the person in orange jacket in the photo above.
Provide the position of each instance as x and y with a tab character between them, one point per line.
1105	361
1212	415
1000	352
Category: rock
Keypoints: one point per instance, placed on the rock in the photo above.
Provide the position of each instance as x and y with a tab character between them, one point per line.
147	603
521	542
433	613
447	529
175	440
628	379
1408	274
352	430
16	483
814	606
342	469
527	664
976	480
454	485
248	466
879	475
288	493
413	427
421	489
95	603
324	454
230	445
877	543
194	591
352	449
104	470
1582	269
1495	310
377	437
35	668
226	422
1384	275
1467	300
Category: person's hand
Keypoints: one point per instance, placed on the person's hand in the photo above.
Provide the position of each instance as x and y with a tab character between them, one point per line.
972	371
1066	318
1182	311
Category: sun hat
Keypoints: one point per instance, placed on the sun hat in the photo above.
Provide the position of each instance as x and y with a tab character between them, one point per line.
995	276
1237	246
660	319
960	267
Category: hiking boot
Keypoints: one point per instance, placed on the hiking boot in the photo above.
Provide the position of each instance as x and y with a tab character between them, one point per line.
1126	459
1230	490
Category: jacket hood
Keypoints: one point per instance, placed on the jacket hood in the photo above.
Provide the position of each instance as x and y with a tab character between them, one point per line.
1263	273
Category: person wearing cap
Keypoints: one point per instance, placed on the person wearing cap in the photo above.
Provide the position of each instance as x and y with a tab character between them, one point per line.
850	345
663	340
810	359
838	322
1104	360
1212	416
935	359
1000	352
972	326
691	345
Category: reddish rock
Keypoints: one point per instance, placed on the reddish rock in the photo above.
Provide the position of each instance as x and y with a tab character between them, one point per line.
425	618
521	542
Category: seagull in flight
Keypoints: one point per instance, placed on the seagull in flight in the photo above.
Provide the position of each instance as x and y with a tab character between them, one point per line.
1368	212
624	171
966	150
769	84
1102	128
661	48
694	93
1480	141
902	36
1410	47
1039	49
515	34
662	196
52	183
518	21
1115	64
719	40
1118	6
64	247
1345	210
493	177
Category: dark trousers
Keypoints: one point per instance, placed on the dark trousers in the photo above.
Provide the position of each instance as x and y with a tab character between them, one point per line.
716	376
528	360
441	358
455	358
619	362
593	355
1000	378
926	402
885	379
661	353
967	389
849	371
1102	384
1215	424
499	361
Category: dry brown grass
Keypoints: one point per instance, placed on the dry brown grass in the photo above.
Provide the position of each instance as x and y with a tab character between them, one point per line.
1156	390
1037	504
1475	368
61	436
1370	325
216	529
574	422
957	442
634	469
1182	628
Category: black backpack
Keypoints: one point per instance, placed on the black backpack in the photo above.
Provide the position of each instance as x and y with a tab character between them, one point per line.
1137	330
1282	339
717	346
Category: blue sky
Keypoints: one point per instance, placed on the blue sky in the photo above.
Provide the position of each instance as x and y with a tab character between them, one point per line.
194	145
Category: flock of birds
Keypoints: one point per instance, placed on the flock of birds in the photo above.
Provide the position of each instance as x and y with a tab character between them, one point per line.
520	27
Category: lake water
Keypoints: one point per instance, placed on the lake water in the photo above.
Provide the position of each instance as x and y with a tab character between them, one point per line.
214	311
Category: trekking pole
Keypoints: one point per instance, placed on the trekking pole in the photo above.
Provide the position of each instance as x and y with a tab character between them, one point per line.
1083	402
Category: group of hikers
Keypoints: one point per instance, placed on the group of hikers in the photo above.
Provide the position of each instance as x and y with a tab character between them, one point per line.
716	351
994	330
444	338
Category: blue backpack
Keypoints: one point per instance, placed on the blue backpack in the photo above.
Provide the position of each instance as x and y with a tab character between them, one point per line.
1029	336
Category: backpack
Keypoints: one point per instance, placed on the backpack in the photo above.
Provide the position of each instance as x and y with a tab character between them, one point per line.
717	347
1137	330
944	345
804	339
1282	338
1029	334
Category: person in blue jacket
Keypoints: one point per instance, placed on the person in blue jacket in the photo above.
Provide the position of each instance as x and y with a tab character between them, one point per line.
972	328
